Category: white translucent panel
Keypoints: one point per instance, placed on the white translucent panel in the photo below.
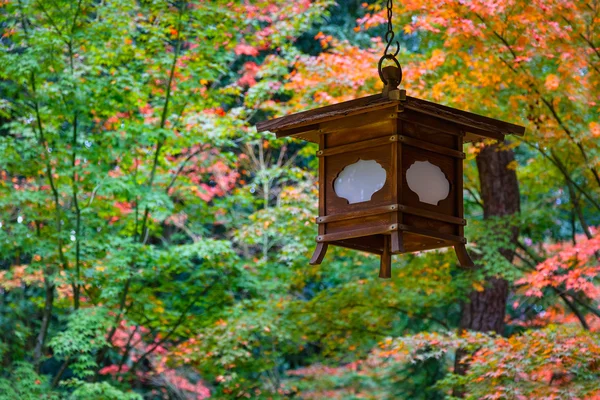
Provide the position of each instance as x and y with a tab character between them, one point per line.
428	182
359	181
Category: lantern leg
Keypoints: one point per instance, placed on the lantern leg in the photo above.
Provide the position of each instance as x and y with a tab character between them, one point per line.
396	243
319	254
463	257
385	268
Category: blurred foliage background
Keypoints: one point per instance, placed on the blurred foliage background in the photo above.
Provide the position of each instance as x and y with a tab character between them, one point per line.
153	245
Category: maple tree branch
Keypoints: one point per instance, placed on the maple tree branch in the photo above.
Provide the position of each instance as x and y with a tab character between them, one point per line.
163	121
473	194
591	45
47	272
291	160
252	155
558	119
578	211
122	303
52	23
572	295
128	348
78	227
78	233
410	314
536	259
60	372
420	316
575	310
591	309
46	317
555	160
181	167
563	169
102	353
547	103
75	17
531	266
144	229
179	321
281	155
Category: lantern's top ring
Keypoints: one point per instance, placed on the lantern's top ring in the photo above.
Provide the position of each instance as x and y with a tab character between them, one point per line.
389	81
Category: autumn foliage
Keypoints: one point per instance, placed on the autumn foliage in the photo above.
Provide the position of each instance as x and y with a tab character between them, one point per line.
154	245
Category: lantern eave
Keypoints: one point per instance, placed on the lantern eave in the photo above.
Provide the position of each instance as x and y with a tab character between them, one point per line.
306	125
297	125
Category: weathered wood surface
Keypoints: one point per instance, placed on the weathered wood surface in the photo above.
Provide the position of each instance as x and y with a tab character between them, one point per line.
477	126
364	212
370	244
327	113
350	147
464	118
385	267
431	147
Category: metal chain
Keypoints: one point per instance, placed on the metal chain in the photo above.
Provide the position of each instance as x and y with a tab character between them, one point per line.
389	38
389	35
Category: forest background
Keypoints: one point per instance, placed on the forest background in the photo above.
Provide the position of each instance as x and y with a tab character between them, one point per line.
153	245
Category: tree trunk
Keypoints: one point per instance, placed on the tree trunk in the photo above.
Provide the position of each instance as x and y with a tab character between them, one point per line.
38	351
485	310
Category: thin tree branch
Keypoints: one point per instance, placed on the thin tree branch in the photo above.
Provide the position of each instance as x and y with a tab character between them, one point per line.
60	372
547	103
563	170
181	167
176	325
47	272
163	121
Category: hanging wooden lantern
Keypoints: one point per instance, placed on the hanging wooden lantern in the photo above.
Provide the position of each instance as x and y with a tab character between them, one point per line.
390	170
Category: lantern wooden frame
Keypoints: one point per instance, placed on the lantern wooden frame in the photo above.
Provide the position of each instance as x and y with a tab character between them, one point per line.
394	130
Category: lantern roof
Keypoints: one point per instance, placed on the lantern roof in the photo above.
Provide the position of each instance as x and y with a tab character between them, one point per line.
305	125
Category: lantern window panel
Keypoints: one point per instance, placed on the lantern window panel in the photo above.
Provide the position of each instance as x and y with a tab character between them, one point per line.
359	181
335	164
428	181
447	165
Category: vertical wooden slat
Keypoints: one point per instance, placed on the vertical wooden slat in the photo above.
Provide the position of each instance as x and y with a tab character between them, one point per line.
321	248
461	252
459	186
397	242
393	178
385	267
322	180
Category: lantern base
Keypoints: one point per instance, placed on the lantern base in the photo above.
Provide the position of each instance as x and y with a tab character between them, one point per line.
396	242
319	254
463	256
385	263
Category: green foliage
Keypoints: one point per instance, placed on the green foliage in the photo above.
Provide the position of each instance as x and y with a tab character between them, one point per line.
98	391
154	245
23	383
83	336
493	237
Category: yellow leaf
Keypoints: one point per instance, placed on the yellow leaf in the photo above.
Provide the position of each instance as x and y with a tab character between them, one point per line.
595	129
552	82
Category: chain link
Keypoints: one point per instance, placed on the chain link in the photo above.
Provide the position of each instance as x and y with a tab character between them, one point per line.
389	35
389	38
